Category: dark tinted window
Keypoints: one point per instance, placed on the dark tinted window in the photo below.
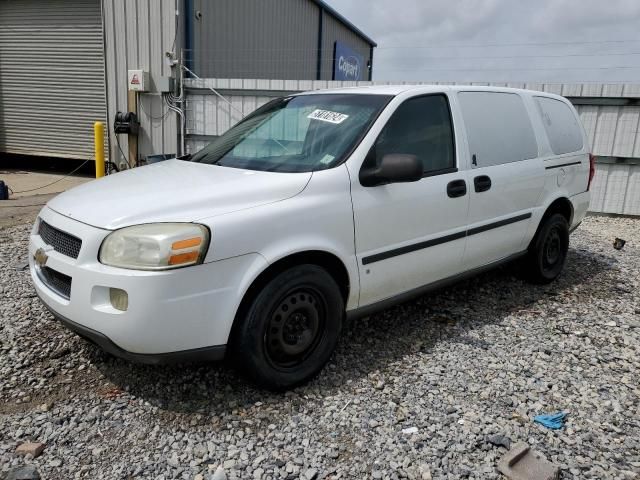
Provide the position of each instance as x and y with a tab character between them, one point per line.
498	128
422	127
561	125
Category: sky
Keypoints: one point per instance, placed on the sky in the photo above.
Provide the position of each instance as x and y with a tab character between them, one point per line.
564	41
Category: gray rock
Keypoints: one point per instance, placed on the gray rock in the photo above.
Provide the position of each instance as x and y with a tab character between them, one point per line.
27	472
499	440
311	474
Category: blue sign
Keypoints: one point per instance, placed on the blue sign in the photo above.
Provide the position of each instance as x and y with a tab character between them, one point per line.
348	65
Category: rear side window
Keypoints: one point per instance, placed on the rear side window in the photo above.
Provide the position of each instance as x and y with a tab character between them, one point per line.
561	125
498	128
421	126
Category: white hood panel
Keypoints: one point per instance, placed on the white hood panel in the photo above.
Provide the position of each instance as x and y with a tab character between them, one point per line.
174	191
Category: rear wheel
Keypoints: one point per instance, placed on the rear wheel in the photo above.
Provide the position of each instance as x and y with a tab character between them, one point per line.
291	328
548	251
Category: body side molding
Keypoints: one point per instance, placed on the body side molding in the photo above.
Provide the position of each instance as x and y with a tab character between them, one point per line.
440	240
562	165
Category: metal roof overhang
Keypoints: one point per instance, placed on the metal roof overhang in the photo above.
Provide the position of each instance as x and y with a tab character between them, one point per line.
342	19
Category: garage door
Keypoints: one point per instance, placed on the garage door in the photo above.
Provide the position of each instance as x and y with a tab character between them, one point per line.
51	76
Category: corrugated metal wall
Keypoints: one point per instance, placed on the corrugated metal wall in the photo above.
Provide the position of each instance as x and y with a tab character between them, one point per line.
267	39
616	189
613	130
51	77
334	30
137	35
249	39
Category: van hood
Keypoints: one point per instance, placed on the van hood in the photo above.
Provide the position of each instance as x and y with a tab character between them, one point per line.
174	191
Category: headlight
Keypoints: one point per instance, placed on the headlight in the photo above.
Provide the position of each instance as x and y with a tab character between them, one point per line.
156	246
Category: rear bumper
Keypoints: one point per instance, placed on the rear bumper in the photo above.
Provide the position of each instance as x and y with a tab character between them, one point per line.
204	354
580	204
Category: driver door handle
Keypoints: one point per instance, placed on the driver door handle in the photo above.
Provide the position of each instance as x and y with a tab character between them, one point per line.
457	188
482	183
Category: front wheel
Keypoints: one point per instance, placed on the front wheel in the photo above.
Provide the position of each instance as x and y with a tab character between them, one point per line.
290	328
548	250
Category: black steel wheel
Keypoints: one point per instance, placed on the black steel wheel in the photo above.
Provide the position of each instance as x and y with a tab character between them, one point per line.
295	327
548	251
552	249
291	328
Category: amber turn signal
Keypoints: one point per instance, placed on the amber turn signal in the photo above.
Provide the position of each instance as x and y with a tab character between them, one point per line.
183	258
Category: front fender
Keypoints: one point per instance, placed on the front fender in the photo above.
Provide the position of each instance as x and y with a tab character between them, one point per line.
320	218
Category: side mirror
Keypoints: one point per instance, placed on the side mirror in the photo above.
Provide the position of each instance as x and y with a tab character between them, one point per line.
394	168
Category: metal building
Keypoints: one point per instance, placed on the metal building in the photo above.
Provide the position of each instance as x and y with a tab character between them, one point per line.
64	63
286	39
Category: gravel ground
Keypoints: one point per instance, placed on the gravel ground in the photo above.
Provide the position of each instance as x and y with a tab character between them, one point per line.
480	358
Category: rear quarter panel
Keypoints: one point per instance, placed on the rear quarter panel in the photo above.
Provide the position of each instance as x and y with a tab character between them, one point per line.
565	176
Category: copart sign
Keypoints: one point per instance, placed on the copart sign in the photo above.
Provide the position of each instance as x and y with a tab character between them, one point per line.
348	65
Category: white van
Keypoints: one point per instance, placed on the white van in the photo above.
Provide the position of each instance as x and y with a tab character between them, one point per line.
314	208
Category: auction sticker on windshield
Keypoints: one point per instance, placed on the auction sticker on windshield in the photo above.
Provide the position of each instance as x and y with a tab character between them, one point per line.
328	116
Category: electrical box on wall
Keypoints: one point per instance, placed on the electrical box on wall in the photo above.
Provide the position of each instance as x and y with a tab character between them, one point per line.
164	84
138	80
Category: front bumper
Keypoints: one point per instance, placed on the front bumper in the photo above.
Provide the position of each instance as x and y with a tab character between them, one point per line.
175	314
204	354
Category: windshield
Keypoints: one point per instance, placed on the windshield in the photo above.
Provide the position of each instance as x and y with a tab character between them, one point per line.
303	133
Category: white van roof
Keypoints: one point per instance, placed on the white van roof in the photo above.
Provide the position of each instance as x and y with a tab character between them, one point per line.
398	89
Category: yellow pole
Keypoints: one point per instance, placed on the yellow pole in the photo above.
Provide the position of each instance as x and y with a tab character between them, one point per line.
98	138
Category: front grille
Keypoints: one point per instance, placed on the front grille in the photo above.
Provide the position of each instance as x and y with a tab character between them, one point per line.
56	281
62	242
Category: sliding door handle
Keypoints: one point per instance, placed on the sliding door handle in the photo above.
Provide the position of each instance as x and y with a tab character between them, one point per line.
482	183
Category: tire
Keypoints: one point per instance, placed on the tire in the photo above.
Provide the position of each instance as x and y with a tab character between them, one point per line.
290	329
548	250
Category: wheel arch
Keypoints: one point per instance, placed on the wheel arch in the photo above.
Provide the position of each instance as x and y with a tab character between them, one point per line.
329	261
561	205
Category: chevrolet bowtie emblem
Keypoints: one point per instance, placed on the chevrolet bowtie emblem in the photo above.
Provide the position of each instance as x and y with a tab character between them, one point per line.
40	257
